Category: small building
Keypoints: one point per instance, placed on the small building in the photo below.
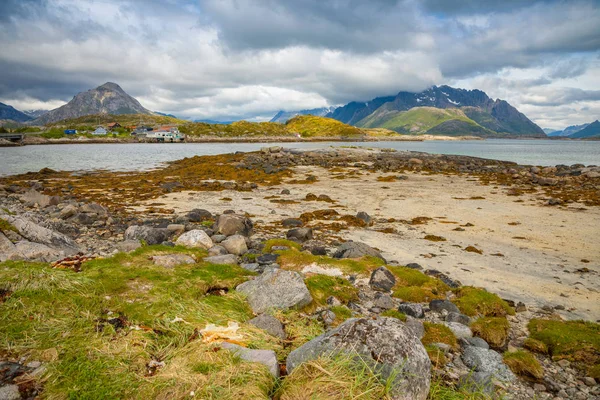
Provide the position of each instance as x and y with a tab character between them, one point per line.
70	131
113	125
100	131
141	130
165	134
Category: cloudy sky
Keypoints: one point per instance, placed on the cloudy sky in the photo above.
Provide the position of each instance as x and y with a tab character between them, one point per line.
227	59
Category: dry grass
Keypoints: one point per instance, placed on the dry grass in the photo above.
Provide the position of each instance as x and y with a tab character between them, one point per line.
438	333
493	330
474	301
524	364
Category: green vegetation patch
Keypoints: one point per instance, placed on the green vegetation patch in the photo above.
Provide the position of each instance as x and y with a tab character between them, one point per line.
474	301
311	126
436	355
7	226
438	333
524	364
415	286
493	330
296	260
577	341
323	286
440	390
280	242
394	314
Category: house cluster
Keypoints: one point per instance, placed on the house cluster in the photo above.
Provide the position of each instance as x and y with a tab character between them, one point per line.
166	133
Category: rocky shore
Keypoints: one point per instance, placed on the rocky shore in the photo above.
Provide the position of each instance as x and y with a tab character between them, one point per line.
297	258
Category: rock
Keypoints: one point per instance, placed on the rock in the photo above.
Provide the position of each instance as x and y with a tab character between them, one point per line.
356	250
38	234
300	234
366	218
333	301
285	191
382	279
383	301
33	197
277	289
416	326
269	324
83	219
172	260
589	381
128	246
453	283
254	267
440	305
266	259
38	252
93	208
459	330
265	357
176	229
217	250
67	212
199	215
8	251
10	392
520	307
386	345
413	309
458	318
148	234
231	224
292	222
218	238
225	259
474	341
484	360
414	266
196	238
235	244
564	363
476	382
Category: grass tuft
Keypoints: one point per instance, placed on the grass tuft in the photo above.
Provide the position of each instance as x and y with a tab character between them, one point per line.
524	364
323	286
438	333
394	314
474	301
280	242
6	226
493	330
414	286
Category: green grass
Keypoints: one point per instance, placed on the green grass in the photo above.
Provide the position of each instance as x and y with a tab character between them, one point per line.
441	391
280	242
312	126
296	260
7	226
415	286
474	301
523	363
438	333
493	330
576	341
323	286
90	122
394	314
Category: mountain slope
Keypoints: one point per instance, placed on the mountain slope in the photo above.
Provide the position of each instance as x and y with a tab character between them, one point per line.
494	115
9	112
568	131
310	125
592	130
283	116
105	99
353	112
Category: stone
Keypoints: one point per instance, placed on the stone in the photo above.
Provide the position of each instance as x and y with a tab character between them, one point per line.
458	317
414	266
38	252
67	212
484	360
386	345
128	246
416	326
300	234
589	381
199	215
383	301
254	267
476	382
270	324
292	222
10	392
382	280
172	260
366	218
520	307
148	234
38	234
459	330
266	259
218	238
564	363
474	341
8	251
176	229
217	250
227	259
356	250
33	197
266	357
232	224
93	208
440	305
276	289
235	244
413	309
453	283
196	238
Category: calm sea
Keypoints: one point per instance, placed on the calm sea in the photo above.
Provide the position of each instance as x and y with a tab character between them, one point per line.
140	156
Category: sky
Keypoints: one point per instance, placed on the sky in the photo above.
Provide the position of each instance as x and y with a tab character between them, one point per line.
232	59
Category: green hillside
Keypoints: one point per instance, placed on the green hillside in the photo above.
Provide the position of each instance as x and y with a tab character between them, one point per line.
123	120
456	127
417	120
311	126
235	129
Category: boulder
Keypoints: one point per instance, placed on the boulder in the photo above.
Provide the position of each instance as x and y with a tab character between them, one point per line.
10	392
443	305
386	345
382	280
477	382
217	250
128	246
68	211
413	309
38	234
416	326
459	330
270	324
277	289
93	208
485	360
196	238
356	250
199	215
292	222
383	301
225	259
146	233
33	197
235	244
232	224
266	259
172	260
265	357
474	341
38	252
300	234
366	218
458	318
8	250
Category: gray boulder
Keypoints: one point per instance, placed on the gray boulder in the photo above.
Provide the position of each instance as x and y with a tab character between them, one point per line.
8	250
172	260
265	357
485	360
474	341
270	324
459	318
128	246
300	234
443	305
38	234
68	211
413	309
199	215
146	233
382	279
356	250
386	345
231	224
196	238
38	252
93	208
459	330
235	244
477	382
10	392
217	250
383	301
276	288
416	326
366	218
225	259
33	197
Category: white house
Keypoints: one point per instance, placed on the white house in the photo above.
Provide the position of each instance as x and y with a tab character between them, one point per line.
99	131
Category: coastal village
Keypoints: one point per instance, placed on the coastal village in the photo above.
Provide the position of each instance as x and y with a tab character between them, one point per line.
162	134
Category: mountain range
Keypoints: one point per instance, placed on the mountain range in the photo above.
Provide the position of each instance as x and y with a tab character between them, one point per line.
9	112
284	116
578	131
440	110
105	99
